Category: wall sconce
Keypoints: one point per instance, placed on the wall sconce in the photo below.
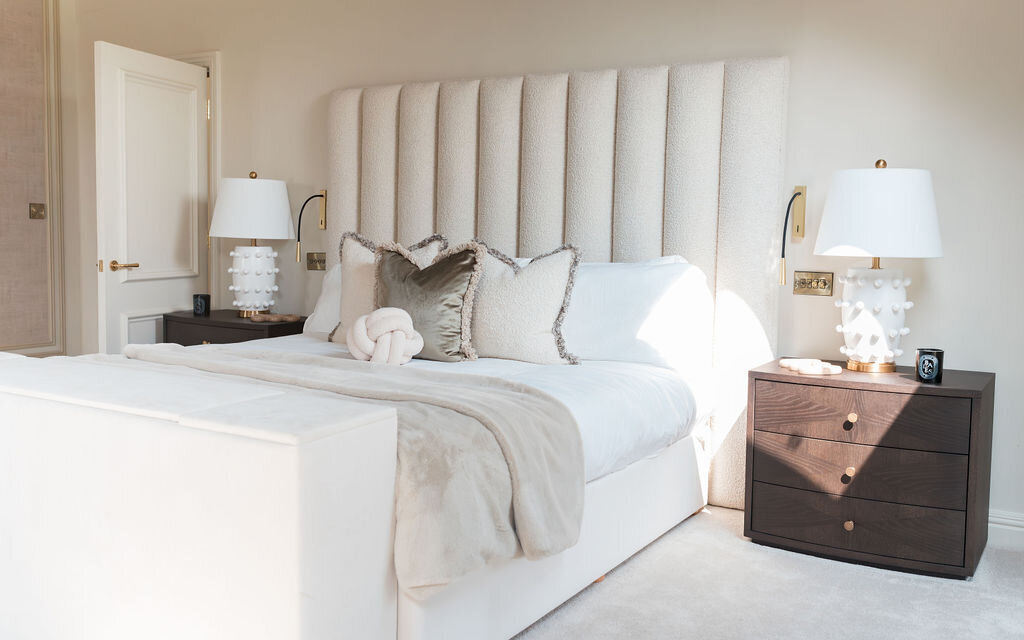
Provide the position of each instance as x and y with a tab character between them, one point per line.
298	225
798	227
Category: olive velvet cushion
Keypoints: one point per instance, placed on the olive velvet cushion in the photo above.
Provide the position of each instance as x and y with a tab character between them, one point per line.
438	297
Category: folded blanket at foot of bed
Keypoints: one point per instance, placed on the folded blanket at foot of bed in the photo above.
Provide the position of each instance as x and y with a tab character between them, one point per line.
486	466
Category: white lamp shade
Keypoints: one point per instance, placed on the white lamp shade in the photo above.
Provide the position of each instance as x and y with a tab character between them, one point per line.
252	208
884	213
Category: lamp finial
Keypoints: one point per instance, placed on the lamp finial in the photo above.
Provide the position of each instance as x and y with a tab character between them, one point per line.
879	164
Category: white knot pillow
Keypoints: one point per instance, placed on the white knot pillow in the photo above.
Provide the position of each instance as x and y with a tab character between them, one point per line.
385	335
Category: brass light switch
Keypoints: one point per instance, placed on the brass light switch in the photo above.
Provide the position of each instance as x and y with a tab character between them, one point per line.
316	261
37	211
812	283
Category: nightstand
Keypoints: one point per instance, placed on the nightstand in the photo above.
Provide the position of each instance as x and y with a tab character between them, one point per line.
222	326
872	468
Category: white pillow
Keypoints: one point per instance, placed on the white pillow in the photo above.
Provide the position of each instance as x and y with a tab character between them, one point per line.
359	272
519	308
325	315
659	312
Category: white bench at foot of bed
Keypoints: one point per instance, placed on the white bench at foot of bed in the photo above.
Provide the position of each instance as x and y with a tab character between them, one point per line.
216	525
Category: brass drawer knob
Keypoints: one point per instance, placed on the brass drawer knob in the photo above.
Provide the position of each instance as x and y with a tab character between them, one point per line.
850	471
848	525
852	418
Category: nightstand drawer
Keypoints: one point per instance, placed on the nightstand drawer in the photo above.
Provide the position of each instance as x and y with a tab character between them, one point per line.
879	473
188	334
923	534
904	420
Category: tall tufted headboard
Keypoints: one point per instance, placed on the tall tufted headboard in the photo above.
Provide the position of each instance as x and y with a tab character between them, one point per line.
626	164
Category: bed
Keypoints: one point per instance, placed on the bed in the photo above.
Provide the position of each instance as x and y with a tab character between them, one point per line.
146	499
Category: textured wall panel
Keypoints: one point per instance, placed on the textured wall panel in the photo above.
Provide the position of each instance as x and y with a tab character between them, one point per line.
344	130
590	163
456	159
25	311
542	187
750	218
417	155
498	185
379	162
640	163
692	154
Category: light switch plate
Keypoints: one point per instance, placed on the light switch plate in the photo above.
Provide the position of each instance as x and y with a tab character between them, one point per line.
812	283
37	211
316	261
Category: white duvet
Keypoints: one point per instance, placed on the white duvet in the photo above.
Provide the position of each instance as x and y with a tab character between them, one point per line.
625	411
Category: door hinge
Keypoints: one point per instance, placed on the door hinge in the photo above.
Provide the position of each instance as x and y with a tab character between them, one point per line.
207	108
100	265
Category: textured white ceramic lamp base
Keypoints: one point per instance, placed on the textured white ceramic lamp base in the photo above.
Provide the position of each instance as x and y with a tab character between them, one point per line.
874	310
253	279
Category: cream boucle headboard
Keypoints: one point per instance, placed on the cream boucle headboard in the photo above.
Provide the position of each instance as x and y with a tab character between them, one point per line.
626	164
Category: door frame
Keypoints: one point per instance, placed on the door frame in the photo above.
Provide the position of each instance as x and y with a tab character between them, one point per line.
57	343
211	61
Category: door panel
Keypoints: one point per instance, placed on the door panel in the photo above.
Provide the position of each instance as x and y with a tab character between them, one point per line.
162	193
151	190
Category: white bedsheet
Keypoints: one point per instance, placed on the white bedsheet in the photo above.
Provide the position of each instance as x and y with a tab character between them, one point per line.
626	411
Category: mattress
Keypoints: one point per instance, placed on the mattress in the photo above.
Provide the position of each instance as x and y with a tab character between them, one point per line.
625	411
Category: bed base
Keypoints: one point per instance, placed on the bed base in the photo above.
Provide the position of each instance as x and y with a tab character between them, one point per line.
625	511
215	524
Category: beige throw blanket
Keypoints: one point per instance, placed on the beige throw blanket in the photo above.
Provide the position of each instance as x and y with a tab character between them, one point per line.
484	465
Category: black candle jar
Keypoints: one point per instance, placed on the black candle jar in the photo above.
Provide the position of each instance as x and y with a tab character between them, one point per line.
201	304
929	365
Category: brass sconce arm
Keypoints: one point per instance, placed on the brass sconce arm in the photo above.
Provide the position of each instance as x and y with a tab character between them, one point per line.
298	226
782	260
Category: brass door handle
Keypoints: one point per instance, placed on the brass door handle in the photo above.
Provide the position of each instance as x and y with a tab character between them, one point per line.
115	265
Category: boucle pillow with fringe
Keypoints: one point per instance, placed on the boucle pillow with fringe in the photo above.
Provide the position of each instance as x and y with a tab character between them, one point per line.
357	257
440	297
520	308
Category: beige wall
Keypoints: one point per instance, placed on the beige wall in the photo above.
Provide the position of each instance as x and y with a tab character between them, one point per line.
923	83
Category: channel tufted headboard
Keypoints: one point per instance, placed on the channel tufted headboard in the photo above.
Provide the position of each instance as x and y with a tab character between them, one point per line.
626	164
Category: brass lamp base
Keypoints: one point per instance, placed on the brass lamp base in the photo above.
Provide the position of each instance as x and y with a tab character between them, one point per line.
871	367
249	313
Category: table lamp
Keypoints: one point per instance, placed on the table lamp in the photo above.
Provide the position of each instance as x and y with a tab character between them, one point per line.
256	209
877	213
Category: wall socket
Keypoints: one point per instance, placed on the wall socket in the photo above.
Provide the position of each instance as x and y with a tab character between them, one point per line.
812	283
316	261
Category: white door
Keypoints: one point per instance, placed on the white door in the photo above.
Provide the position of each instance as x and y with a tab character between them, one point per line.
151	191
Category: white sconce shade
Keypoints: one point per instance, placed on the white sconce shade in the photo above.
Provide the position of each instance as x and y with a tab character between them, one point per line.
252	208
884	213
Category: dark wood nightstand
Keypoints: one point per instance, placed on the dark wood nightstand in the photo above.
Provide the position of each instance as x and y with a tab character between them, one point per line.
872	468
222	326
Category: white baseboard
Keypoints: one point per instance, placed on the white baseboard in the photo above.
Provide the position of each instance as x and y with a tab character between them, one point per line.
1006	530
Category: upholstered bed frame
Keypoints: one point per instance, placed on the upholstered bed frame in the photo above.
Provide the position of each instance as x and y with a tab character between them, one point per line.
626	164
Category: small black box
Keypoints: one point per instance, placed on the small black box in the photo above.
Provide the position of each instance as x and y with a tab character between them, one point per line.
201	304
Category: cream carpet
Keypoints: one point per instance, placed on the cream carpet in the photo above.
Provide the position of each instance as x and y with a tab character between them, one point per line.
704	580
